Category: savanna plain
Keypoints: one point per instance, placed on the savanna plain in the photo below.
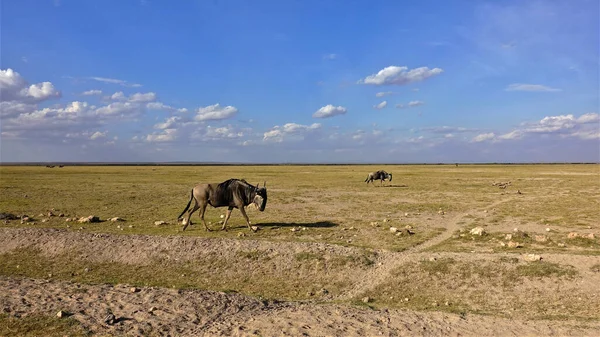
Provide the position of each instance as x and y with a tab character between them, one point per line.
467	250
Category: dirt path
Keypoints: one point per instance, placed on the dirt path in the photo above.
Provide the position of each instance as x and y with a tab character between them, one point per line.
207	313
389	261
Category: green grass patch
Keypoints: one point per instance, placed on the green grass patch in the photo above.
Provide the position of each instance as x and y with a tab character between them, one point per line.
40	325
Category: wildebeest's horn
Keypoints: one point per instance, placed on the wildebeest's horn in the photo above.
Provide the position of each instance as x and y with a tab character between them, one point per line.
264	184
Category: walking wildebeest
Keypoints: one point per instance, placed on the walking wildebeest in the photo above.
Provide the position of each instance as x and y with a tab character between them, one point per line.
379	175
232	193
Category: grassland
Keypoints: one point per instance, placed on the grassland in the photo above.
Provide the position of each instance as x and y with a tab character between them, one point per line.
323	224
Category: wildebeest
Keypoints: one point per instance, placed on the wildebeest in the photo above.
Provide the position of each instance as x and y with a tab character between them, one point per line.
232	193
378	175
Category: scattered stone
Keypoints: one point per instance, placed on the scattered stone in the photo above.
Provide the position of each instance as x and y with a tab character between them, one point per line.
44	220
50	214
541	238
548	229
61	314
25	219
478	231
374	224
133	290
432	259
160	223
485	211
68	220
393	229
110	319
441	212
115	219
447	303
385	220
61	215
323	291
513	244
508	237
561	245
222	216
590	236
572	235
152	309
408	227
240	234
405	214
254	228
130	226
502	244
351	228
89	219
366	299
532	257
87	270
294	229
519	192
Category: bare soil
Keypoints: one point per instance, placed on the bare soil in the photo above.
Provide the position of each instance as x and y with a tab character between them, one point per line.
183	312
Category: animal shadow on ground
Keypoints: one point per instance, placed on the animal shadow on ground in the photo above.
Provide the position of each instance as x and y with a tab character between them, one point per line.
321	224
394	186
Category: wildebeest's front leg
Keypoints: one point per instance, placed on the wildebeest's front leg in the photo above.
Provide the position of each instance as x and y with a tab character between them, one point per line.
246	217
224	228
202	211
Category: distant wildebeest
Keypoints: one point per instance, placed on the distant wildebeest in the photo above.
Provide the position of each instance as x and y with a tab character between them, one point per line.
378	175
232	193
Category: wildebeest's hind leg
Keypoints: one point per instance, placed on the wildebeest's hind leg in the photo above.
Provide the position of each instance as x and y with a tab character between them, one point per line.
246	217
224	228
187	219
202	211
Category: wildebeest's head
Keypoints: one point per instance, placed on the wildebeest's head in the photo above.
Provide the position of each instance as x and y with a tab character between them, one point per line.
260	199
390	176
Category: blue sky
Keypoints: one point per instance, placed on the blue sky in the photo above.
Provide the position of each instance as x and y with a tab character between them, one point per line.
300	81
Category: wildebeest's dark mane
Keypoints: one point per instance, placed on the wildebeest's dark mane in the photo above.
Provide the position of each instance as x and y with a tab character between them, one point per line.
240	187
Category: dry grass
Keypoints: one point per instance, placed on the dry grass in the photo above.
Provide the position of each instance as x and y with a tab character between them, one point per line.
332	205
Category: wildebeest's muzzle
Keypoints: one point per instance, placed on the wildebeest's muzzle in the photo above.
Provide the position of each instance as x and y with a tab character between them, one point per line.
260	199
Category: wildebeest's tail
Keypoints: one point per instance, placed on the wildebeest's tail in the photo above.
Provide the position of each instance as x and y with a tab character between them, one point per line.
188	204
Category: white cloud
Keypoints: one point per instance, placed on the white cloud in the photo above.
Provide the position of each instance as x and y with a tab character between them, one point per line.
380	105
92	93
415	103
530	87
225	132
484	137
329	111
588	118
168	124
119	108
215	112
394	75
142	97
162	106
115	81
13	87
98	134
167	135
330	56
9	109
383	93
134	98
278	134
411	104
118	96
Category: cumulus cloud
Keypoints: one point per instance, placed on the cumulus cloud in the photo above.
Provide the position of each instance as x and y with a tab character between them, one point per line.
162	106
530	87
92	93
167	135
218	133
98	134
380	105
329	111
394	75
134	98
215	112
483	137
168	124
383	93
279	133
13	87
119	108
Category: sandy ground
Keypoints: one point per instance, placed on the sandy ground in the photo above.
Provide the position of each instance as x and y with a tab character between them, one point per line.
164	311
204	313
